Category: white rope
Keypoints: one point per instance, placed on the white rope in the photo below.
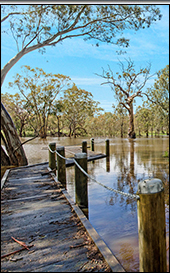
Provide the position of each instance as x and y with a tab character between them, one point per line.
111	189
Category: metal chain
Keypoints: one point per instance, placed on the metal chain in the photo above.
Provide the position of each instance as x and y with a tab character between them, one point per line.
135	196
111	189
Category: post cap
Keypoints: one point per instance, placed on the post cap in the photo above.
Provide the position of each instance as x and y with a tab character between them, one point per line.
151	185
60	148
52	143
81	155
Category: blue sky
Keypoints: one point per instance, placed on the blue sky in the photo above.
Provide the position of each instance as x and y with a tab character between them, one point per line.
80	60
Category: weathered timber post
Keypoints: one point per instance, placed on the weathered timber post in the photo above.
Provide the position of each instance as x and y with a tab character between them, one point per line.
107	148
151	226
108	164
84	147
61	166
81	190
92	144
52	156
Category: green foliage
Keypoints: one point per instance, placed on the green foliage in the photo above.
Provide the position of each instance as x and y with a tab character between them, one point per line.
159	92
15	106
166	154
127	86
39	90
50	24
158	100
77	106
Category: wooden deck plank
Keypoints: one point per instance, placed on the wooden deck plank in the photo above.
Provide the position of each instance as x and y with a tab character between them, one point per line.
48	222
37	212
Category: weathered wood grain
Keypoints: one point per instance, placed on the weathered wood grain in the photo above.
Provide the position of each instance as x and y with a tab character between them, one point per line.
36	212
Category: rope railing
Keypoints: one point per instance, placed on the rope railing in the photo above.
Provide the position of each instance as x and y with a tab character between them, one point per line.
150	205
135	196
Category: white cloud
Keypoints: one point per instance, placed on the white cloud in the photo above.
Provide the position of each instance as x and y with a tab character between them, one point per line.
87	81
107	105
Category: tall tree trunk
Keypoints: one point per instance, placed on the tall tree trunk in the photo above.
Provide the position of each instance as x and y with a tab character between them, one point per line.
21	129
12	142
4	158
58	125
121	131
131	131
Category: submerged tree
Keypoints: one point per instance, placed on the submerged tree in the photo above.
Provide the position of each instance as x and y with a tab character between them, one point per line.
127	86
39	26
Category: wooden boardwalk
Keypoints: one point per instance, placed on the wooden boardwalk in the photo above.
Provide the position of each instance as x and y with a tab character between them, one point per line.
70	151
36	211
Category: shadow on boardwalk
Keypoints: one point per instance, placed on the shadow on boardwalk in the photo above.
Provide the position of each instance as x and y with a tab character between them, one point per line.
34	210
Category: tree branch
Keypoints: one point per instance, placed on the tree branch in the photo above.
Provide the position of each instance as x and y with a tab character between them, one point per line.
28	140
9	14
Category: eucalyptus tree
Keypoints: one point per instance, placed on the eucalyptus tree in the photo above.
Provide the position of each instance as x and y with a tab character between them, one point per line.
15	105
77	106
158	96
35	27
38	26
56	113
121	117
127	85
39	89
144	119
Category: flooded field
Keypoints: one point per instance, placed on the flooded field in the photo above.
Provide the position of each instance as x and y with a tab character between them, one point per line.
113	215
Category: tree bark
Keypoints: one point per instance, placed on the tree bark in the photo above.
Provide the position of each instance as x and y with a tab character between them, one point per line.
131	131
58	125
4	158
12	141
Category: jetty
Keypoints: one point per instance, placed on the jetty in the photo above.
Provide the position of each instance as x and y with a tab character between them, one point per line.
44	230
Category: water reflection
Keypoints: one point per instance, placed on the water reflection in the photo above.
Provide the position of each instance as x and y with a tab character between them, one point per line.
114	216
108	164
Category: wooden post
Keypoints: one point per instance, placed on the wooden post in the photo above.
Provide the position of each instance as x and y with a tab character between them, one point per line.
81	190
108	164
107	148
151	226
61	166
84	147
52	156
92	144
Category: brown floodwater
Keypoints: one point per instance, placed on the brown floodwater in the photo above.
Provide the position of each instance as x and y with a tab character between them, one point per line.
114	216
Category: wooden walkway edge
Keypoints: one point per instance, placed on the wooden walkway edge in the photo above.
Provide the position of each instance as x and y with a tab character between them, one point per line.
35	210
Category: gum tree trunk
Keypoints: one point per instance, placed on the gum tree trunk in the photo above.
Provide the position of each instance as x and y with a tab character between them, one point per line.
131	131
12	142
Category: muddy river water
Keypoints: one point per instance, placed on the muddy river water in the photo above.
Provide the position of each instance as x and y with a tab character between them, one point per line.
113	215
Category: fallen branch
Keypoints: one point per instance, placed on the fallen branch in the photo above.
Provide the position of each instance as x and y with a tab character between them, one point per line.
20	243
16	251
76	246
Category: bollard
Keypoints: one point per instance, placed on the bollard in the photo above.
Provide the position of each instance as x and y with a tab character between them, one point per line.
151	226
52	157
81	181
92	144
84	147
61	166
107	148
